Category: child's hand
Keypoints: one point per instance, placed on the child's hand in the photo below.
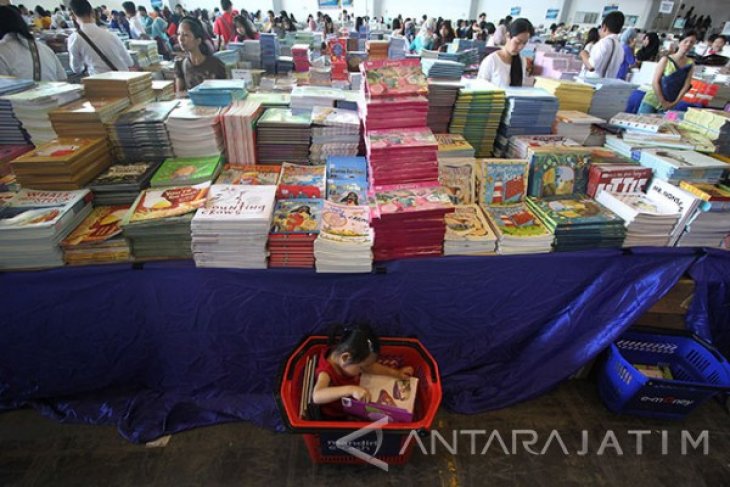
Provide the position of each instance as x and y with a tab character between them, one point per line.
360	393
405	372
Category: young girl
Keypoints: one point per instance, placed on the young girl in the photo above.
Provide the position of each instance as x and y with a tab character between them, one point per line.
671	79
505	67
351	352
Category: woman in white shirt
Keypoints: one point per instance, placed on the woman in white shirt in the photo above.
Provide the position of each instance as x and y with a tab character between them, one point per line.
18	48
591	39
505	67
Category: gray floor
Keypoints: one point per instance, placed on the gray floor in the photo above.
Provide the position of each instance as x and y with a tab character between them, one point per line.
37	451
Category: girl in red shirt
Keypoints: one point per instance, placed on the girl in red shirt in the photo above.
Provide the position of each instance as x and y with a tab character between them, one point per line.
351	352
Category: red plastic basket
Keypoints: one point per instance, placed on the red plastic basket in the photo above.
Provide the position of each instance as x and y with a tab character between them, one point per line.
319	436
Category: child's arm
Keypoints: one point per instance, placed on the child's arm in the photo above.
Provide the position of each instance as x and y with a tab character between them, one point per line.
380	369
324	394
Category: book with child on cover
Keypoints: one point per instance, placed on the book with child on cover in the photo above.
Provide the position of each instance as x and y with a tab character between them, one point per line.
391	397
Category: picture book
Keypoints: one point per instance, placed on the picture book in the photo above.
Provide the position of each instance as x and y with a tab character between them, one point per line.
617	178
408	200
298	181
251	174
351	192
516	221
705	191
467	222
646	123
679	200
102	224
391	397
574	211
194	170
458	180
394	78
340	167
33	209
558	173
401	139
157	203
344	220
501	181
229	202
297	216
125	174
450	143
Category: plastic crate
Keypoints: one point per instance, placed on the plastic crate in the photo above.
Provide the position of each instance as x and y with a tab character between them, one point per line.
320	436
699	370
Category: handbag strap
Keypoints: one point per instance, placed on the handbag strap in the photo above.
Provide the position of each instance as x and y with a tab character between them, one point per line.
96	49
33	47
610	58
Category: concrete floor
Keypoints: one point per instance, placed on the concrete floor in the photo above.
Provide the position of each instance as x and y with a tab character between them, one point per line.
37	451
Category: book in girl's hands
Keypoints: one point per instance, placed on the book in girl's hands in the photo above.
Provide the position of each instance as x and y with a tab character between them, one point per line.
301	181
391	397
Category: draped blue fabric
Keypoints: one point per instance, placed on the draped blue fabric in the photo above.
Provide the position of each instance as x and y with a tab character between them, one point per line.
170	347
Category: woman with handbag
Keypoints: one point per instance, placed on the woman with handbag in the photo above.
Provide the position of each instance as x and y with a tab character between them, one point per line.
672	78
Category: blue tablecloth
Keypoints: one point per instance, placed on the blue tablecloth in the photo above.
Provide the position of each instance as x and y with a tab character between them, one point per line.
170	347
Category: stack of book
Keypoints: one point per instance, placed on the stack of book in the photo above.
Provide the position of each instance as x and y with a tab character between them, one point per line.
628	150
11	131
98	239
218	92
347	180
578	222
529	111
239	127
452	146
576	125
477	115
146	51
468	232
570	94
518	147
158	223
283	136
195	131
644	123
164	90
320	76
284	65
135	85
62	164
380	113
229	57
441	100
270	51
232	229
334	132
33	223
378	50
345	240
402	156
558	172
683	165
121	183
31	108
300	181
140	134
86	118
409	222
518	230
186	171
617	178
250	174
300	54
611	96
714	124
712	224
294	228
305	98
442	69
269	100
397	47
649	219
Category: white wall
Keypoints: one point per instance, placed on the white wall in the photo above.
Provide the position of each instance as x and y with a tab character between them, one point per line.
302	8
641	8
448	9
719	10
533	10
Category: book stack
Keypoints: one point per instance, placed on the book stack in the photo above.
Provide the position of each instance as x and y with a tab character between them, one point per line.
627	149
558	172
390	112
468	233
135	85
714	124
140	134
570	94
320	76
347	180
393	78
146	51
611	96
578	222
576	125
298	181
239	128
251	53
712	224
62	164
518	230
453	146
195	131
33	223
528	111
186	171
441	100
121	183
518	147
98	239
409	222
305	98
617	178
468	57
157	225
397	47
31	108
334	132
345	240
300	54
229	57
647	124
683	165
283	136
294	228
164	90
11	130
477	115
250	174
218	92
232	229
442	69
402	156
270	51
649	219
378	50
86	118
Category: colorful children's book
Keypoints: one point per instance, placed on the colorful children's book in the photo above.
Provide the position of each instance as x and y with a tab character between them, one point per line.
340	167
301	216
298	181
347	191
391	397
555	173
156	203
574	211
501	181
344	220
252	174
394	78
467	222
458	177
194	170
48	211
617	178
516	221
237	203
102	224
409	200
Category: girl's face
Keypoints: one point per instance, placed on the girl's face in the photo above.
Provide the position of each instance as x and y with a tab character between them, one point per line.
645	42
187	40
718	44
687	44
444	32
517	43
353	370
239	28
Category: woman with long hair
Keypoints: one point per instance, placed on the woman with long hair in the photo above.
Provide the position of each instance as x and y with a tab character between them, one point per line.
506	67
199	63
672	78
244	29
20	55
649	48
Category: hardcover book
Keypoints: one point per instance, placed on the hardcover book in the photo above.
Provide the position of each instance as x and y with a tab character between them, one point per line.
501	181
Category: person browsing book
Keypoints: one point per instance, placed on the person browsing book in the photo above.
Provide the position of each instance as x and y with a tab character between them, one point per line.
506	67
352	351
672	78
606	57
199	63
93	47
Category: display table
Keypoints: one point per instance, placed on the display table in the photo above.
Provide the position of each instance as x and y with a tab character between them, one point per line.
167	347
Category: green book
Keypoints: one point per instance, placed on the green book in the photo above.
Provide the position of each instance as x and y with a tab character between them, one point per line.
185	171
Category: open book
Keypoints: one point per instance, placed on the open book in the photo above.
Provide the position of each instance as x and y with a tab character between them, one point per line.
389	396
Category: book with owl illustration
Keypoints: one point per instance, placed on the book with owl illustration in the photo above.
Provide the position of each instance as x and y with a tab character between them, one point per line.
391	397
558	173
501	181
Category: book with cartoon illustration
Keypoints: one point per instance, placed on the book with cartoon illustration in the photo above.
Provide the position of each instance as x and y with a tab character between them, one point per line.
157	203
250	174
558	173
394	78
391	397
501	181
344	220
104	223
298	181
41	212
515	221
181	171
296	217
457	177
